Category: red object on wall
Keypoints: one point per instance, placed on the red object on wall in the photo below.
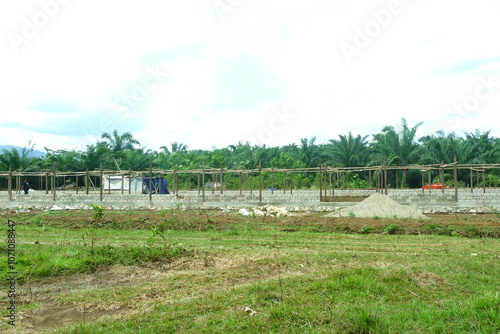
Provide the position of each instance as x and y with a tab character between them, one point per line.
436	186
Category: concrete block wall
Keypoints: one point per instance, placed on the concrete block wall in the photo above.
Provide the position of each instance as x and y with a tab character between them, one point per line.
298	198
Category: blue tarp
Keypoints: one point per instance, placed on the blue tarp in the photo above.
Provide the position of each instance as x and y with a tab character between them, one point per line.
159	185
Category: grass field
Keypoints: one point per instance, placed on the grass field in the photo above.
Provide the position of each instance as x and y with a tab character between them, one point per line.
210	272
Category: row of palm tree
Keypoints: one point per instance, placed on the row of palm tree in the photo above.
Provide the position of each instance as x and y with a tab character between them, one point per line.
394	146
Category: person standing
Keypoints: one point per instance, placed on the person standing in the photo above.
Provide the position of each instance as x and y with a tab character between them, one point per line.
26	187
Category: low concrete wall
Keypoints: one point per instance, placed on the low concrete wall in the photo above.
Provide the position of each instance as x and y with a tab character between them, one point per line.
435	200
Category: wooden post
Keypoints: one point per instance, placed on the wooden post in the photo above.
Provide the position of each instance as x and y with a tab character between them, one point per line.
423	181
441	174
471	181
9	184
129	181
199	178
397	181
291	183
430	181
325	183
176	176
484	181
151	182
241	183
46	183
404	179
76	181
332	184
142	183
54	183
221	181
101	188
369	179
123	183
87	178
203	181
385	178
260	181
455	179
320	183
284	182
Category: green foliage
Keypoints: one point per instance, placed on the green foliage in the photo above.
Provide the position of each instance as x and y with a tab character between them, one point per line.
367	230
391	229
98	213
395	145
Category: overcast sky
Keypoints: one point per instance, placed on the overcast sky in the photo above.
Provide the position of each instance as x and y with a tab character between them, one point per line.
212	73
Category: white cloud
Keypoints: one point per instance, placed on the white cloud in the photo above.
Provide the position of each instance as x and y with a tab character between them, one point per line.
64	87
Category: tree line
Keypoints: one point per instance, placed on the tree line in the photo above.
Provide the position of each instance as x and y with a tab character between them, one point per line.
394	146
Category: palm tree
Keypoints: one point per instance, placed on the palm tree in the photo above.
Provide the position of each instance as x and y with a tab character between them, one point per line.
138	159
175	147
94	156
350	151
19	161
397	147
439	147
63	160
309	152
118	143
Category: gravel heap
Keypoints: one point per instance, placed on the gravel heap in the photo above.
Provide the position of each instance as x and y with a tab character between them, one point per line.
379	205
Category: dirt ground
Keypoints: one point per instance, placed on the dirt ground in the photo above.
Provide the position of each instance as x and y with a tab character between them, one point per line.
51	314
215	219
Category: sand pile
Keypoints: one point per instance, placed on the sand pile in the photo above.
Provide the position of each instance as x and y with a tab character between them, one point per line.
379	205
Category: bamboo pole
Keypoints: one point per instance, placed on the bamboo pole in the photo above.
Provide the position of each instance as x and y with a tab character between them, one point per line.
430	181
320	183
54	183
260	181
87	178
9	184
385	178
484	181
471	181
455	180
423	181
150	183
325	179
101	188
203	181
129	181
221	181
441	174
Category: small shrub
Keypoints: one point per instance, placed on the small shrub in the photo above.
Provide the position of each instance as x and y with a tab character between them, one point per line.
391	229
367	230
